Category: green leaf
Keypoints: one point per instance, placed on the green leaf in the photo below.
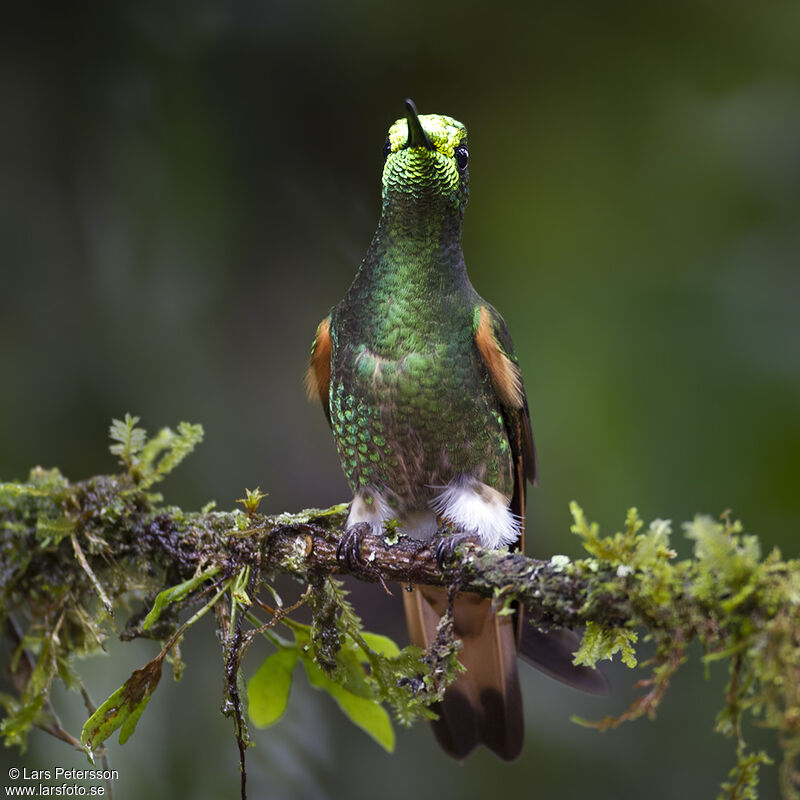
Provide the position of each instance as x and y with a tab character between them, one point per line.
367	714
175	594
350	673
382	645
268	689
123	708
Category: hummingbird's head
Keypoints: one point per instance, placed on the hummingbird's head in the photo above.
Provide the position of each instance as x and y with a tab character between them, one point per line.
426	162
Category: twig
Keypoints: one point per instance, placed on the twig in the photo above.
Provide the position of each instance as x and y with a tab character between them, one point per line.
109	606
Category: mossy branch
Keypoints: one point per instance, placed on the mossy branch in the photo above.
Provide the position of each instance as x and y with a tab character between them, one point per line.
75	554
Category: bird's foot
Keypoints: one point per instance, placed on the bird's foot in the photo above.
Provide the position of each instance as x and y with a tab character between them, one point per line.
446	548
349	547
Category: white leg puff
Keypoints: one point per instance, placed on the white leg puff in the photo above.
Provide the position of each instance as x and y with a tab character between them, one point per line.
477	508
370	507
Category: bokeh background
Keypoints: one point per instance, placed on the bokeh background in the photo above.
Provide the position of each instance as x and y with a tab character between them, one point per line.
187	187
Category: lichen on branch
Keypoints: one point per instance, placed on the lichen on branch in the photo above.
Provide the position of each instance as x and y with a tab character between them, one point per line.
73	556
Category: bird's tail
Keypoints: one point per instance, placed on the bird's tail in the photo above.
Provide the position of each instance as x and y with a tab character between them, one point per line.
484	704
552	653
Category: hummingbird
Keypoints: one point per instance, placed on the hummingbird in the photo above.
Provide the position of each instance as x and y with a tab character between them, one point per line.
418	379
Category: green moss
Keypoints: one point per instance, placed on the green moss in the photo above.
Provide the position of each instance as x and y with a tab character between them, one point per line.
600	643
67	548
740	607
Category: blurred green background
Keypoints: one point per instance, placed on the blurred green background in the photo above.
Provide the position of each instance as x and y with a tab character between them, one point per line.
187	187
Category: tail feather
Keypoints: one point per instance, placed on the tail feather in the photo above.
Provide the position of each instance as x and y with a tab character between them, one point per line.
484	704
552	653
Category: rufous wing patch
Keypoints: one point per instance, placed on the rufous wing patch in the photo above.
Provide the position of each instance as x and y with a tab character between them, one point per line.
318	376
504	372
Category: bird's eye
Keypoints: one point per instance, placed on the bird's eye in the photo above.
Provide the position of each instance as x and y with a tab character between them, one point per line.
462	156
387	148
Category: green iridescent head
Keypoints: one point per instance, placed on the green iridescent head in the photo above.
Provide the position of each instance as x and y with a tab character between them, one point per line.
426	161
